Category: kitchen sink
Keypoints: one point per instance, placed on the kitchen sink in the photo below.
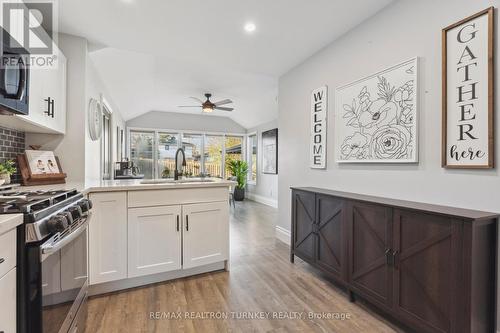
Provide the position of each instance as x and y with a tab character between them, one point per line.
180	181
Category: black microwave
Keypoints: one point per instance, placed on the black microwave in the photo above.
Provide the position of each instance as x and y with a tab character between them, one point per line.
14	79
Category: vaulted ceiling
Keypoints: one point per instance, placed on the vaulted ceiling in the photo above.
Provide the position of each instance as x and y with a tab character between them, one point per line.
154	54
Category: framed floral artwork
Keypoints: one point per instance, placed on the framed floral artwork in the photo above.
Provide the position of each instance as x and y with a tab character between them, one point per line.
376	118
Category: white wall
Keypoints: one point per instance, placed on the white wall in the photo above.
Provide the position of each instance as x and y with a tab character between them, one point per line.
403	30
94	88
266	189
79	156
186	121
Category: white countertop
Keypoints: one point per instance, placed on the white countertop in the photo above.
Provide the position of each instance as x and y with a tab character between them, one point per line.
130	185
9	222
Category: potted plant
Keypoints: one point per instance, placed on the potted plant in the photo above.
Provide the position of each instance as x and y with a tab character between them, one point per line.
239	170
7	168
165	173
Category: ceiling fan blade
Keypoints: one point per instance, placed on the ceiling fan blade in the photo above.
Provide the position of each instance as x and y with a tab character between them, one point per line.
223	102
189	106
197	99
223	109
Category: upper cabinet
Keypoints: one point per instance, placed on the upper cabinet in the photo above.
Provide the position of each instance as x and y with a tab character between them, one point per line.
47	99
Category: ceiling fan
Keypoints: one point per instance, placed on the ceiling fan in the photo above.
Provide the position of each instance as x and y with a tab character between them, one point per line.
207	106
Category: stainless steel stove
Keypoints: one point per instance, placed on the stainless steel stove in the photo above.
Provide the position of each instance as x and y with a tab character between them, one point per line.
52	257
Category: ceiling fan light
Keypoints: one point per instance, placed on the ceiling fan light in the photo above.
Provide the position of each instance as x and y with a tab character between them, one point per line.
208	109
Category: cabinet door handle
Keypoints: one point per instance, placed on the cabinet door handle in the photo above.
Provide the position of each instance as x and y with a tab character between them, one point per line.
395	257
50	107
2	260
177	222
389	257
187	222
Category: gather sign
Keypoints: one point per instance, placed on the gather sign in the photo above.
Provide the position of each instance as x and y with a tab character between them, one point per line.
319	107
468	92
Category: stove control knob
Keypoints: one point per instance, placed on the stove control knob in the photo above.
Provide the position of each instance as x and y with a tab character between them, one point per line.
75	211
85	205
69	217
57	223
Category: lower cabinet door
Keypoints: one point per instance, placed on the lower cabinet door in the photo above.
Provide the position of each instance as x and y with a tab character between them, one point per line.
426	271
108	237
370	240
8	302
331	235
154	240
304	224
206	233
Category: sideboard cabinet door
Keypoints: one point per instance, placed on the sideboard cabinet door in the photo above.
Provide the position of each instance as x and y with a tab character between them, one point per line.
303	211
370	241
330	236
426	270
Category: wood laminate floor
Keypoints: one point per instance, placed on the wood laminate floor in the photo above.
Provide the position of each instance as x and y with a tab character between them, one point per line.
262	282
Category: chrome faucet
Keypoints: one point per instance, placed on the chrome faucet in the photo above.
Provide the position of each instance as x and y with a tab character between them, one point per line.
178	168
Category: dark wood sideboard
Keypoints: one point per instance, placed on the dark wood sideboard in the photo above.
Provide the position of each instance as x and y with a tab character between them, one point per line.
431	268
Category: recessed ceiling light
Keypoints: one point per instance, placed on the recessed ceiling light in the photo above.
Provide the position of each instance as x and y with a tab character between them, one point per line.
250	27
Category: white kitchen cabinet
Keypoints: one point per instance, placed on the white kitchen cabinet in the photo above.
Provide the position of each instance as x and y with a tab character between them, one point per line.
54	91
154	240
47	96
8	254
146	236
205	233
108	237
8	302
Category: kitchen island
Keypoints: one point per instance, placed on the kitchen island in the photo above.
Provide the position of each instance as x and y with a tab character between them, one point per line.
145	232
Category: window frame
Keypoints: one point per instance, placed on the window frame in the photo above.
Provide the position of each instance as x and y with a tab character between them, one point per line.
249	158
180	134
106	166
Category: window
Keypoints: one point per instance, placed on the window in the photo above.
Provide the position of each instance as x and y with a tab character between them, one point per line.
119	144
168	144
141	152
252	158
192	145
153	152
213	155
106	144
233	149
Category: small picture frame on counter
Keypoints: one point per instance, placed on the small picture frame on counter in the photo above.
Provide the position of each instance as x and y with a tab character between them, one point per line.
39	167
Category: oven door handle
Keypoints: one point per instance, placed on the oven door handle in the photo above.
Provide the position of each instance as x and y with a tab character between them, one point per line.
48	250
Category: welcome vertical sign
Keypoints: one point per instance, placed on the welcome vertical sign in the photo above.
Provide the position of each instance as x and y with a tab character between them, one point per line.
468	92
319	110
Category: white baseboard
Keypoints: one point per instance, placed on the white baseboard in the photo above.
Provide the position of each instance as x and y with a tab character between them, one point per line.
262	199
282	234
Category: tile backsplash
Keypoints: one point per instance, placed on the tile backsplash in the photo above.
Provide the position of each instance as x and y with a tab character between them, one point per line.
12	143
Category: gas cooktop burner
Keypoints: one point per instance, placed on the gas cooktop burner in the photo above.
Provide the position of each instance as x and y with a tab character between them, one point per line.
12	201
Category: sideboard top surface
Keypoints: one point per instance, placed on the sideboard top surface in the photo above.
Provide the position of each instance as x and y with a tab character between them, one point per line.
468	214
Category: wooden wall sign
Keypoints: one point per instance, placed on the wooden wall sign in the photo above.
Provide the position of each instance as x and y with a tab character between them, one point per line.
468	93
319	108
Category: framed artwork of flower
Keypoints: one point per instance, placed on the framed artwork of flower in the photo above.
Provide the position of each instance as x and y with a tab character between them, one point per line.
376	118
